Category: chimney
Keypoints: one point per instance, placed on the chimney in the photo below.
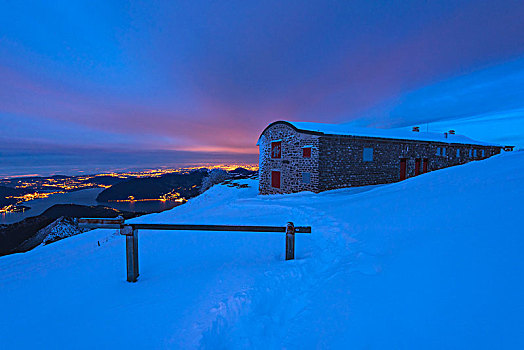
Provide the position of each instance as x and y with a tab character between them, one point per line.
452	132
416	129
446	135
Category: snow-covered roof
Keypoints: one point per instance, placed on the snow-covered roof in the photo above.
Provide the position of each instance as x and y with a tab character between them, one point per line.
399	134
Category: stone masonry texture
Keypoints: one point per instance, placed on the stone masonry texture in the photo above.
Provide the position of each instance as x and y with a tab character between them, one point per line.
337	161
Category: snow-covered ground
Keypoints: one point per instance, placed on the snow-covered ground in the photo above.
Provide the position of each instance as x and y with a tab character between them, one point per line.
435	261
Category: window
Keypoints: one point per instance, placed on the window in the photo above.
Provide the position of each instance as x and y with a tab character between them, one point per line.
470	153
483	153
275	179
306	178
458	153
306	152
441	151
368	154
474	153
276	149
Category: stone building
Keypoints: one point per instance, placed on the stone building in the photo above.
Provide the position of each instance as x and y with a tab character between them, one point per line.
301	156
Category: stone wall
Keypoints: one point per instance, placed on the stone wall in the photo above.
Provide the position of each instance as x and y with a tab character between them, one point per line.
341	162
338	162
291	164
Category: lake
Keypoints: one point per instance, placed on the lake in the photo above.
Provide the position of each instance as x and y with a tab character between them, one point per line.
83	197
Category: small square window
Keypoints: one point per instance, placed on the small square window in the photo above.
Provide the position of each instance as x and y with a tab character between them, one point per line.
368	154
306	178
276	149
306	152
458	153
438	151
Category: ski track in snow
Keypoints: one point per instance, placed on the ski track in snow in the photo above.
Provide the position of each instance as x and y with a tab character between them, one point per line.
291	286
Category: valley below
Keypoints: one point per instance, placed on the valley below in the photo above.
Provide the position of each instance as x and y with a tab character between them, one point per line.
34	206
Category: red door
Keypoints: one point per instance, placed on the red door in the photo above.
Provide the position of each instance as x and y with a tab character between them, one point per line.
417	166
425	166
275	179
403	169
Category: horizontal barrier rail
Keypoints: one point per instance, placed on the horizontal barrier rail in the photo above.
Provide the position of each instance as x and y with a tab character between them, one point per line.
101	223
231	228
131	233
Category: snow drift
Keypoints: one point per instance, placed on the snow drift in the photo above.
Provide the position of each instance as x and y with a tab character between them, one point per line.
431	262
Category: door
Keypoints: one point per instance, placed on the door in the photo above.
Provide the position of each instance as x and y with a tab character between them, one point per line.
403	168
417	166
425	166
275	179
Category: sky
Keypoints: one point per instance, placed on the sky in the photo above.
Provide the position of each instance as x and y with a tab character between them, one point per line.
166	82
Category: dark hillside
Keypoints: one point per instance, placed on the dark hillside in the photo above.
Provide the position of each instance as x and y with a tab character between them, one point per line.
188	185
11	236
106	180
8	192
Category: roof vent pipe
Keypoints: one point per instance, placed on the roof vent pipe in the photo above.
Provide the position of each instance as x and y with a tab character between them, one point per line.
452	132
416	129
446	135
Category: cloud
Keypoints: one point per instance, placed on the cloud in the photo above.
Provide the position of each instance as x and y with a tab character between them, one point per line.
209	76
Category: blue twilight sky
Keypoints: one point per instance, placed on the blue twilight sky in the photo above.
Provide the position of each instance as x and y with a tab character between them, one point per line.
199	80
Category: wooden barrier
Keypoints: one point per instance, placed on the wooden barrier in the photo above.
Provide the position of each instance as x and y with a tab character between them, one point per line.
290	241
131	233
101	223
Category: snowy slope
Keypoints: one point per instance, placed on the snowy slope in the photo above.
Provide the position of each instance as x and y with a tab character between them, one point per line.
432	262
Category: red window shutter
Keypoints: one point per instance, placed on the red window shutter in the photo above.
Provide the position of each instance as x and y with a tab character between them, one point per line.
306	152
275	179
276	149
